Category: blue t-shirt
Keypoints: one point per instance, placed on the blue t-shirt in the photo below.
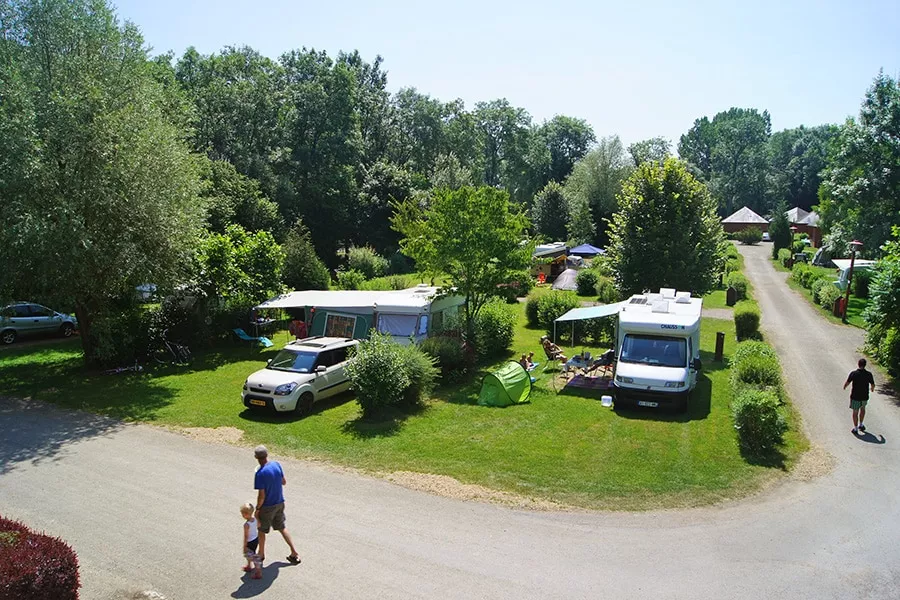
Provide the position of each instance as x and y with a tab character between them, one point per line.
268	478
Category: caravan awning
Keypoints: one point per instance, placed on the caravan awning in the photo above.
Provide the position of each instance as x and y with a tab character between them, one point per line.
592	312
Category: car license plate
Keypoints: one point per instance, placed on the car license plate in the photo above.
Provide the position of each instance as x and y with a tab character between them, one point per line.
258	402
646	403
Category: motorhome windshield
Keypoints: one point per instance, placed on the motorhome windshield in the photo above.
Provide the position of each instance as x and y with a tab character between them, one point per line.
654	350
290	360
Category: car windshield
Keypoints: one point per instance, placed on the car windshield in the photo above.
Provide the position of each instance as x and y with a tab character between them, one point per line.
653	350
292	360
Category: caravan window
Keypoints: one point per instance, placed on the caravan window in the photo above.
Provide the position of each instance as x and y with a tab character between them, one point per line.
654	350
339	326
400	325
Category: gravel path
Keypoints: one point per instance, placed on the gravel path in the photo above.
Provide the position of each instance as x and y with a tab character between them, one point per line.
152	510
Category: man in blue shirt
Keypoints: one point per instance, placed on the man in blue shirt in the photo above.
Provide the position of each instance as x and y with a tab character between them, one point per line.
269	482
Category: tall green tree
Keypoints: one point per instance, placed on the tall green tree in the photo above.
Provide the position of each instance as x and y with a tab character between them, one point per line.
99	188
796	160
861	185
471	235
303	270
696	146
383	184
550	212
596	180
780	229
666	232
654	149
235	199
417	131
241	267
568	139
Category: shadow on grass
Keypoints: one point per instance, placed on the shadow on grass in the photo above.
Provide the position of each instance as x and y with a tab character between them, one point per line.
772	459
268	416
386	423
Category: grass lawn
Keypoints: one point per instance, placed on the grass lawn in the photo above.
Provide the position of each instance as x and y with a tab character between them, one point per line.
562	447
854	309
715	299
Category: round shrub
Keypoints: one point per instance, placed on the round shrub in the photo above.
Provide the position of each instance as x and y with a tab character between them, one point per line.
732	265
350	280
384	373
758	420
784	254
731	251
739	283
447	352
35	566
749	236
828	294
753	349
586	280
746	320
366	261
802	273
554	305
532	305
817	285
607	293
757	371
494	328
798	247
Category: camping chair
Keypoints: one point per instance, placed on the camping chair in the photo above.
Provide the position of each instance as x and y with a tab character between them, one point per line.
263	341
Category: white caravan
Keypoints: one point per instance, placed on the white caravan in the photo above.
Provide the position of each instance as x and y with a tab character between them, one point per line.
657	349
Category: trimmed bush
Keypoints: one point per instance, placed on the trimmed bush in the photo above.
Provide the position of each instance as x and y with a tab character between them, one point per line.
784	254
554	305
746	320
731	251
753	349
889	351
531	305
828	294
390	282
494	328
749	236
350	280
798	247
803	274
517	286
817	285
384	373
739	283
586	280
448	352
761	372
732	265
366	261
607	293
758	420
35	566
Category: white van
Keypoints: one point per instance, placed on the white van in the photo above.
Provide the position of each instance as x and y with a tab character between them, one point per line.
657	349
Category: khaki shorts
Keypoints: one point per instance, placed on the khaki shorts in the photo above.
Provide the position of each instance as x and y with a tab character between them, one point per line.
271	517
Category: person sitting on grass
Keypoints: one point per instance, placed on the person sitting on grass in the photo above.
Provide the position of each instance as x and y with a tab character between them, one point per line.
553	351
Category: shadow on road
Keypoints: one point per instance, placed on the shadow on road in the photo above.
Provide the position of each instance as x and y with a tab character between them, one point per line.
254	587
34	432
870	438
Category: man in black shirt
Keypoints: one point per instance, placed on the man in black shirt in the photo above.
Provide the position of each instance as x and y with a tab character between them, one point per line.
862	381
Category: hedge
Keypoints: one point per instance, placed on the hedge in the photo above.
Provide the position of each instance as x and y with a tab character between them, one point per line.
448	353
739	283
731	251
758	420
746	320
817	285
553	305
494	328
606	291
586	281
827	296
35	566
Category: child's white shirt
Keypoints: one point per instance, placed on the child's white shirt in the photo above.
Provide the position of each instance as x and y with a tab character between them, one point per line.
253	531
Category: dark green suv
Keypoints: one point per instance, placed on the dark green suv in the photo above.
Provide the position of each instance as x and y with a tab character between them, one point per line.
26	318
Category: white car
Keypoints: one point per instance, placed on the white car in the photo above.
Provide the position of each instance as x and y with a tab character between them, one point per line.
303	372
766	237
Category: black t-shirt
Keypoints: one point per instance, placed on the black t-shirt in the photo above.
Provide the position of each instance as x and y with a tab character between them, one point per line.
861	380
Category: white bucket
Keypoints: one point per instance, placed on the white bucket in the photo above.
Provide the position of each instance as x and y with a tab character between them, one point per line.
606	401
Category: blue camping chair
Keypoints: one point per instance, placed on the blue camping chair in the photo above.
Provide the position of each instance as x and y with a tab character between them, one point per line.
263	341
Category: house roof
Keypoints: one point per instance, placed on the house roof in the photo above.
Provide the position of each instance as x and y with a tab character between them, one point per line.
812	219
744	215
796	215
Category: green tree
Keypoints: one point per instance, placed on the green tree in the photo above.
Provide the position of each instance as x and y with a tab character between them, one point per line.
666	232
235	199
417	131
568	140
240	266
595	181
655	149
383	183
696	146
99	188
504	131
471	235
780	229
796	160
550	212
861	185
581	228
303	270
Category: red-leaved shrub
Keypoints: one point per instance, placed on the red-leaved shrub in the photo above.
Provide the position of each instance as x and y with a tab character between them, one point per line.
35	566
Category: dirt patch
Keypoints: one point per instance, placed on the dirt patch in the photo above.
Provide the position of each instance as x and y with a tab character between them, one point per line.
442	485
814	463
726	314
219	435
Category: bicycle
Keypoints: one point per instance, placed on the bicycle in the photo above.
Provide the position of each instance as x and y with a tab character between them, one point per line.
171	353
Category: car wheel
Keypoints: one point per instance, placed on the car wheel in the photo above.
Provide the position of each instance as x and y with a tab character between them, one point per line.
304	404
66	330
8	336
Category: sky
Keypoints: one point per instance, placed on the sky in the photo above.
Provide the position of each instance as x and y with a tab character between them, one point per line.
632	69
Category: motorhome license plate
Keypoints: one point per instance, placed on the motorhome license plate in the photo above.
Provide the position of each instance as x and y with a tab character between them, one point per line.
647	403
258	402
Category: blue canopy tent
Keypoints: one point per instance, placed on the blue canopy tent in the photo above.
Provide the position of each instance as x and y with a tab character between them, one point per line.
586	251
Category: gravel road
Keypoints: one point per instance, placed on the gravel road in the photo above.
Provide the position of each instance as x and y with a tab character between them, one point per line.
150	510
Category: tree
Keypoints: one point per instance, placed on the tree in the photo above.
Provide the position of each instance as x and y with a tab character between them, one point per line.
861	185
99	189
471	235
550	212
696	146
780	229
580	227
568	140
504	132
796	160
303	270
417	130
383	183
241	267
596	180
235	199
655	149
666	232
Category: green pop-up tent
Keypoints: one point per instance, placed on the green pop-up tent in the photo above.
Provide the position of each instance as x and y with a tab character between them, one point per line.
510	384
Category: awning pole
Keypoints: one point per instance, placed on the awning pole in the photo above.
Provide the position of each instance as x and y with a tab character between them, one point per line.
573	334
554	332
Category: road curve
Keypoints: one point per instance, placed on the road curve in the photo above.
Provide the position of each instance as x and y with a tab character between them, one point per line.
151	510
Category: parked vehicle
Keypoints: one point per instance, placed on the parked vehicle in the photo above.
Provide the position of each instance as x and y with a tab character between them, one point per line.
658	349
766	237
303	372
28	319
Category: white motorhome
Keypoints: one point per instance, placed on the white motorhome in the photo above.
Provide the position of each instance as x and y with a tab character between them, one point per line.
657	349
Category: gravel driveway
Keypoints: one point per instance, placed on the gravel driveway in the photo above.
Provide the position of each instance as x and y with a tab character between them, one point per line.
151	510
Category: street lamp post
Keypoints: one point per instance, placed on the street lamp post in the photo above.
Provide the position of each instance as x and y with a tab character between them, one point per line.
854	246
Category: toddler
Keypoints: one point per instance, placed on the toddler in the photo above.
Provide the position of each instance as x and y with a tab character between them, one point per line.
251	541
